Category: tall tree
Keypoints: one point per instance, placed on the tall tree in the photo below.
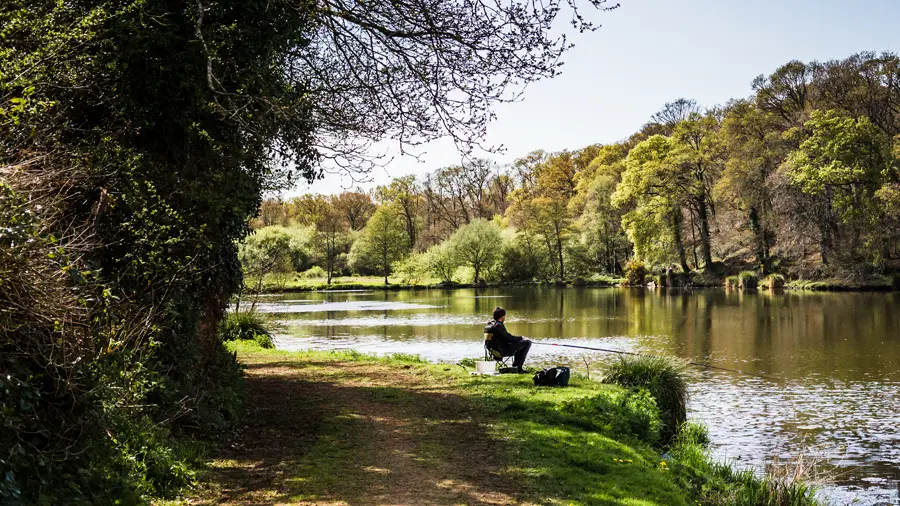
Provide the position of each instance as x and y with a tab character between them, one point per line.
404	194
332	239
698	156
478	245
356	207
383	241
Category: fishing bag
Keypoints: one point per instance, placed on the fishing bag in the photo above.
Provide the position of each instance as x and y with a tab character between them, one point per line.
552	377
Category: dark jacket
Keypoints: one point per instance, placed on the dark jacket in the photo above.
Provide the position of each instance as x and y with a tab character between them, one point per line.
501	339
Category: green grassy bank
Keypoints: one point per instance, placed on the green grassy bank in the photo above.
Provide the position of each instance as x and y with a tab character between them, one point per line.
347	428
283	284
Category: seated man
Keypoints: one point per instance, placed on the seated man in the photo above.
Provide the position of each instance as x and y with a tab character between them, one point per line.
507	344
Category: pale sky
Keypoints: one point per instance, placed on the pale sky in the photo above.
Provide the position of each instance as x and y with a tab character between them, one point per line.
649	52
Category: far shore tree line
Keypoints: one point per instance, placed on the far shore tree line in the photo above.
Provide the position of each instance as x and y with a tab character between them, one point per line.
802	178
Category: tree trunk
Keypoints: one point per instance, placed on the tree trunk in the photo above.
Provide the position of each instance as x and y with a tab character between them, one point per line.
559	250
762	256
677	220
704	234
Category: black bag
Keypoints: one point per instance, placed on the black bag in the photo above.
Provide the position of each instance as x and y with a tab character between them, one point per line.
552	377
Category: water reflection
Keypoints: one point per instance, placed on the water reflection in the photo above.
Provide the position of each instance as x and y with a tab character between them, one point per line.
835	357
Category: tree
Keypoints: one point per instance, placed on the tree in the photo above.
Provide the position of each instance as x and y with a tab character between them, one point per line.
403	193
674	113
442	261
654	188
844	159
477	244
356	207
755	148
382	242
697	157
262	254
331	233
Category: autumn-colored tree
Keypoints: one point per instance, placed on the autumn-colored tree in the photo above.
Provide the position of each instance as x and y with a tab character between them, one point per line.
356	207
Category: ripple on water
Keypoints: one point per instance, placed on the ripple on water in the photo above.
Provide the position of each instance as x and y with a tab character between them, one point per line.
290	307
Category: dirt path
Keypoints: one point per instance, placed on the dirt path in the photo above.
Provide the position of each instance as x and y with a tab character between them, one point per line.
356	433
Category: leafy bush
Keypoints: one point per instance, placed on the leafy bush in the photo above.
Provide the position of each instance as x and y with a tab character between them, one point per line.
314	272
635	273
664	378
732	282
412	269
441	262
247	325
748	280
631	413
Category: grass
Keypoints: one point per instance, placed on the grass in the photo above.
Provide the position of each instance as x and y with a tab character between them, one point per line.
748	280
772	282
301	283
882	283
664	378
343	427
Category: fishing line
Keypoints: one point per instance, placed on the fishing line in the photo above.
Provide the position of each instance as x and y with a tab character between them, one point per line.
620	352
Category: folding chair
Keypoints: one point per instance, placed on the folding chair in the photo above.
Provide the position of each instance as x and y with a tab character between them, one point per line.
491	353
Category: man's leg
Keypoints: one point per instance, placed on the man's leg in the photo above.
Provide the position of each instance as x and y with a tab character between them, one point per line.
521	353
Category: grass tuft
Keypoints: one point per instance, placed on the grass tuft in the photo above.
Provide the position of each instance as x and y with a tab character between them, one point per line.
748	280
246	326
665	378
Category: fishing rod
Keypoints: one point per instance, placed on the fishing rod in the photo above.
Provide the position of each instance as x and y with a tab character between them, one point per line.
620	352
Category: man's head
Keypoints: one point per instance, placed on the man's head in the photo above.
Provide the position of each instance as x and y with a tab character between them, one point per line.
499	314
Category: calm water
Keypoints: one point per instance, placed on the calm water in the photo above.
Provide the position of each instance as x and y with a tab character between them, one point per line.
834	359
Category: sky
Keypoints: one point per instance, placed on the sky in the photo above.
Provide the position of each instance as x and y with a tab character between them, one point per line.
649	52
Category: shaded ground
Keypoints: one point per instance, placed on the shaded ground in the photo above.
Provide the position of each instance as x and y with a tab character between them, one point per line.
341	428
357	433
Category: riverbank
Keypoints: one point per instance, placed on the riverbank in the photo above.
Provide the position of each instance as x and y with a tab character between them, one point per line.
345	428
299	284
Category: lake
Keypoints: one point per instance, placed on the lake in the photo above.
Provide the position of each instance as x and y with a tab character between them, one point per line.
831	360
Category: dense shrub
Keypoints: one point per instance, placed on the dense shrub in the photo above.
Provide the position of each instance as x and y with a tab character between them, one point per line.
524	259
412	269
314	272
441	262
664	378
732	282
631	413
247	326
635	273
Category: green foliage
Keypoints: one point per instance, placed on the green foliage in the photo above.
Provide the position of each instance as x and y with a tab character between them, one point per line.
381	243
624	413
721	484
441	261
477	245
664	378
635	273
266	252
748	280
773	282
314	272
247	325
732	282
413	269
